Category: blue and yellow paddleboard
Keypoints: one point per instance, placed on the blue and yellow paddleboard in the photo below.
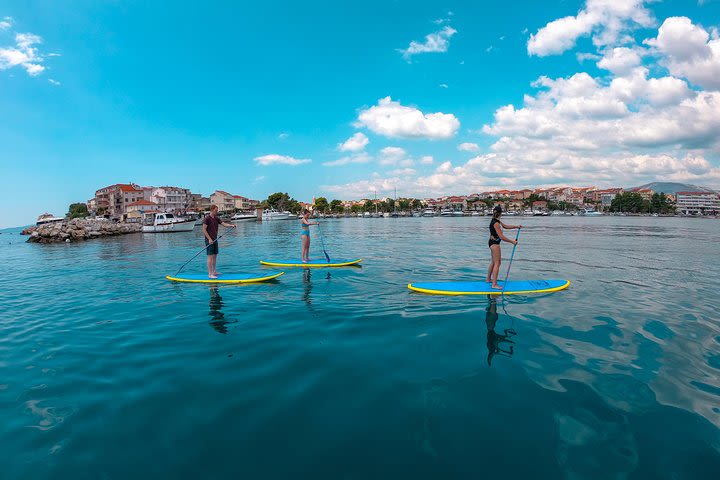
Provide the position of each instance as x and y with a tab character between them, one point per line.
311	263
225	278
513	287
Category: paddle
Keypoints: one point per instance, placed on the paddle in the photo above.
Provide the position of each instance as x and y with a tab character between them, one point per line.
198	253
322	242
512	255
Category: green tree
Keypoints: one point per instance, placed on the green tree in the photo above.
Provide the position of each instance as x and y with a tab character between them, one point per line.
321	204
417	204
356	208
631	202
78	210
336	206
404	205
281	201
368	206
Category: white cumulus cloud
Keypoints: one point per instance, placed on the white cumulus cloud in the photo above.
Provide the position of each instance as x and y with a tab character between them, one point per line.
620	60
275	159
355	143
391	119
361	157
23	54
436	42
469	147
688	51
608	21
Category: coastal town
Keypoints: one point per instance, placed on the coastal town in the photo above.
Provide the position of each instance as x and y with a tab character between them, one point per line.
132	203
128	207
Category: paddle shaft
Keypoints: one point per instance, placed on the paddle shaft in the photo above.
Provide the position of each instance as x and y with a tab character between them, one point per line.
512	255
198	253
322	242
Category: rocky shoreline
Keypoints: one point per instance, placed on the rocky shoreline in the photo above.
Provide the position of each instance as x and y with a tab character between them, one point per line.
78	229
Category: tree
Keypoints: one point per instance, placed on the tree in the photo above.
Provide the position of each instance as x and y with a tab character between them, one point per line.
321	204
368	206
631	202
417	204
356	208
404	205
78	210
336	206
281	201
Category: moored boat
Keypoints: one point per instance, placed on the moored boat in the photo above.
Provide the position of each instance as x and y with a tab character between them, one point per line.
273	214
47	218
168	223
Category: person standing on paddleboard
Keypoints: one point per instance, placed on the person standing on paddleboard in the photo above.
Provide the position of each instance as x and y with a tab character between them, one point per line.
496	236
305	235
211	224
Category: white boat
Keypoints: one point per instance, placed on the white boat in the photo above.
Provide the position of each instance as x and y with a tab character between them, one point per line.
167	222
428	212
243	217
475	214
591	213
273	214
528	212
47	218
366	214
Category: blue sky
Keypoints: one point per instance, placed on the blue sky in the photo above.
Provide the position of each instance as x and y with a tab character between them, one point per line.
438	97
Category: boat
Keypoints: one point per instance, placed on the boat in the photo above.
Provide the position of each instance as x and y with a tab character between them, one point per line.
47	218
273	214
167	223
243	216
446	213
591	213
428	212
366	214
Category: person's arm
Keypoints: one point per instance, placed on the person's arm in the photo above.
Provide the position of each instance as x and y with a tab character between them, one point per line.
206	234
228	225
502	236
510	227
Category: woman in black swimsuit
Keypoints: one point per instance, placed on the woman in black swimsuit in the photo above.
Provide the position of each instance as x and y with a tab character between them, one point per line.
496	236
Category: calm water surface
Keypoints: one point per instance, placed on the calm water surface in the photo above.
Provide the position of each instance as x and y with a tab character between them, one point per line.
109	371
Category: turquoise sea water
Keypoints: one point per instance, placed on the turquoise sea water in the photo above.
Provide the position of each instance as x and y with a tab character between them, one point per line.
109	371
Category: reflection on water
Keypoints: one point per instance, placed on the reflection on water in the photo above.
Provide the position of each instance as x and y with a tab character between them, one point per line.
497	344
217	317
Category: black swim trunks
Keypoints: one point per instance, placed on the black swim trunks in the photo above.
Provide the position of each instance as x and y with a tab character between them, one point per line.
211	249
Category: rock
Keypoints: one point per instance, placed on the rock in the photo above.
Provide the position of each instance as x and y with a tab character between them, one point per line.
78	229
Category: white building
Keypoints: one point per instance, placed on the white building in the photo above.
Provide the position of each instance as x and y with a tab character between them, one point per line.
171	199
692	203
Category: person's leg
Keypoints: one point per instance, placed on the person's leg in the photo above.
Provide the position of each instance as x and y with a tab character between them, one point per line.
212	261
497	256
305	248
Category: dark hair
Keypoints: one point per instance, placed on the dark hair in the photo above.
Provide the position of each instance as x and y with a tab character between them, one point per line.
497	211
305	211
213	207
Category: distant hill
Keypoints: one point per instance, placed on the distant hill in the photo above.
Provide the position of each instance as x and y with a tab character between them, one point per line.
673	187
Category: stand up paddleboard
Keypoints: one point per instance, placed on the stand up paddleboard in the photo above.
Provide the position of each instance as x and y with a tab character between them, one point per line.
311	263
225	278
512	287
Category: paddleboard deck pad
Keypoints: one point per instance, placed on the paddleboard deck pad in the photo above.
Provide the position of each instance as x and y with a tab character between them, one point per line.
311	263
224	278
513	287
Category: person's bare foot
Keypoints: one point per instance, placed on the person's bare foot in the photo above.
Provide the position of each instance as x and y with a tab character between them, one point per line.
487	280
212	276
217	274
497	287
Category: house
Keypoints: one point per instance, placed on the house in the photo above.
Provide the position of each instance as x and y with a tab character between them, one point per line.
170	199
539	205
114	199
225	201
141	206
244	203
